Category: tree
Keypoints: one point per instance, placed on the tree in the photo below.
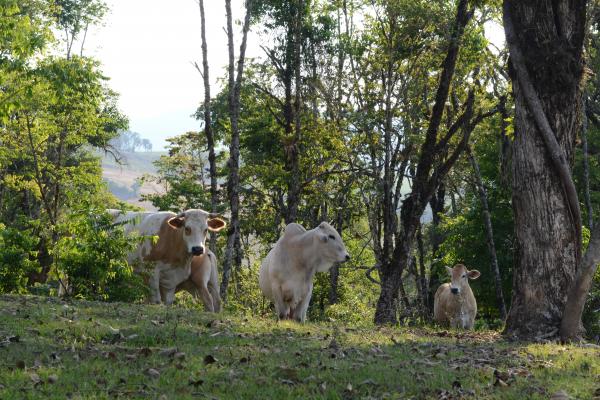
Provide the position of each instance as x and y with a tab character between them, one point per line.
547	118
208	131
434	162
233	249
57	109
182	175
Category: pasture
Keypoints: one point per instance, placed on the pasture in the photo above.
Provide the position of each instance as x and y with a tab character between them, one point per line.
55	349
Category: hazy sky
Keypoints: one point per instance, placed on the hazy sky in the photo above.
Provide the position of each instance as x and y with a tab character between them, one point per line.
147	48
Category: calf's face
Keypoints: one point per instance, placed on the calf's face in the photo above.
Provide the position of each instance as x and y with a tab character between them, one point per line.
331	245
195	225
460	276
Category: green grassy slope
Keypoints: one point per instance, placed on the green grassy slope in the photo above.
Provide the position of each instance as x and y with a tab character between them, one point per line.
55	349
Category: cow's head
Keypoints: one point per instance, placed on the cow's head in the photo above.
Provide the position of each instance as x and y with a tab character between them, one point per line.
460	277
195	225
331	244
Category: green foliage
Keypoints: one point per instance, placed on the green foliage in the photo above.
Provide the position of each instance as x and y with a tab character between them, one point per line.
91	258
17	258
244	294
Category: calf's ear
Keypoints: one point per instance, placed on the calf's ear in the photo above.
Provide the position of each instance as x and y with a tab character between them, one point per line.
216	224
176	222
474	274
449	270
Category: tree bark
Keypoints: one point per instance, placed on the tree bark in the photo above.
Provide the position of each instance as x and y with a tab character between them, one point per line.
233	254
487	220
545	41
586	170
437	204
210	140
571	327
421	274
293	198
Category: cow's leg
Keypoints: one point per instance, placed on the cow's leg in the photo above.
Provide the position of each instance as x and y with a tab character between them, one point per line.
207	298
154	286
169	295
213	285
216	296
281	307
300	310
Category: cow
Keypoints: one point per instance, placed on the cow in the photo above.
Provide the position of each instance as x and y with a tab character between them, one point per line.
286	273
454	302
180	237
203	282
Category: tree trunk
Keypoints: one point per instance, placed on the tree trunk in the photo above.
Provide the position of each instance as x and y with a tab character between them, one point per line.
437	204
545	40
334	272
233	250
421	274
208	125
487	220
586	170
293	198
571	328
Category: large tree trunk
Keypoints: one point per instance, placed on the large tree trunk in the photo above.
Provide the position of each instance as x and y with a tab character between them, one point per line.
545	41
489	232
208	125
233	249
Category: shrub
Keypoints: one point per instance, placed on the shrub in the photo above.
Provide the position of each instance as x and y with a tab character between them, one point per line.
17	259
92	253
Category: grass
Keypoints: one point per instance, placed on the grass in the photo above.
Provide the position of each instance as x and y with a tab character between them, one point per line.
50	348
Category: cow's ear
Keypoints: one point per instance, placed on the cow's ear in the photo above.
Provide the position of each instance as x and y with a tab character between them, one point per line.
216	224
473	274
176	222
322	225
449	270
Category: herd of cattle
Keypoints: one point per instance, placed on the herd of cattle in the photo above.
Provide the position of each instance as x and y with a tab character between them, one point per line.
173	252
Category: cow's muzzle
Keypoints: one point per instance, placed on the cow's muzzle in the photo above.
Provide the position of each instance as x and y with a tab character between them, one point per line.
197	250
454	290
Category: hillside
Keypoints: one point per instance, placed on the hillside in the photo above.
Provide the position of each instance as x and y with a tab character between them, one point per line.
50	348
122	178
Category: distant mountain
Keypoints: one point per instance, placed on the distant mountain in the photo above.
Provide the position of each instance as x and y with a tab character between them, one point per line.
122	178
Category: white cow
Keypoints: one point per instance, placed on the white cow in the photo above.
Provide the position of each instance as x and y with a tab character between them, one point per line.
180	237
454	303
286	274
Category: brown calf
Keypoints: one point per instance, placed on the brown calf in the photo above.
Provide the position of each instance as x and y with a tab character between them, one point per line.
203	282
454	302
